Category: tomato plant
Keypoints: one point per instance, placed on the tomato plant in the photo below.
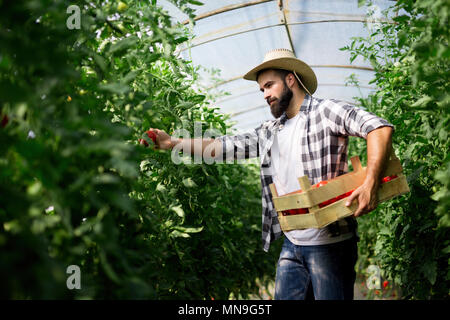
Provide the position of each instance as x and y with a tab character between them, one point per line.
77	189
408	236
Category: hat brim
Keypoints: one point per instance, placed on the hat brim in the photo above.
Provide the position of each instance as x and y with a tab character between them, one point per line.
305	73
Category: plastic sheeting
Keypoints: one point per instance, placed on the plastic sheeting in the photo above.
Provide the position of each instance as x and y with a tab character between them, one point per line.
233	36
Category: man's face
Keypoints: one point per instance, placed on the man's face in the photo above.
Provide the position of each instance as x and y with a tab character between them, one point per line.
276	92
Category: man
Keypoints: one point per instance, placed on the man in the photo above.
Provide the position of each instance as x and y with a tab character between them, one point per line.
309	136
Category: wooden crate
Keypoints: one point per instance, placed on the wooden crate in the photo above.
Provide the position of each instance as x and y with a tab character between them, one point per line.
310	198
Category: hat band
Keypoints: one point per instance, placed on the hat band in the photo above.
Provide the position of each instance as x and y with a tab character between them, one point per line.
301	83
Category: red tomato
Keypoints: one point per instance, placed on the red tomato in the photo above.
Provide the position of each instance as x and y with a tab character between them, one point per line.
292	212
327	202
342	196
385	284
142	141
345	195
152	135
321	183
386	179
301	211
5	121
334	200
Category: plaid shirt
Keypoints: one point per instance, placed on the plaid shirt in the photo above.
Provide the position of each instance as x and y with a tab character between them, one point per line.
326	125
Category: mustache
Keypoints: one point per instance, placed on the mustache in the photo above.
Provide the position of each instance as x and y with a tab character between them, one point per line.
271	100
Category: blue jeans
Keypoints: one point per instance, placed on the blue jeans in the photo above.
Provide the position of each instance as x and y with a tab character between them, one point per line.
323	272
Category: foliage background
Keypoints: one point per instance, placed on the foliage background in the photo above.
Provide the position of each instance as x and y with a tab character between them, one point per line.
408	236
75	186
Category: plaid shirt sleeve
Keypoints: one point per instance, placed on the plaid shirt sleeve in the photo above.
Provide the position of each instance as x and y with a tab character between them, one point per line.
347	120
241	146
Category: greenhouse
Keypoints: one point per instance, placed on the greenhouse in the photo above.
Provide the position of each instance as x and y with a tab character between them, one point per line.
215	151
234	37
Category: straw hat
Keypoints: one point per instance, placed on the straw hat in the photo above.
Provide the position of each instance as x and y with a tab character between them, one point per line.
286	60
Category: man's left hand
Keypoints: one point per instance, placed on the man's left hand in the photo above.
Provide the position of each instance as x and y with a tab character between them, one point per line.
366	194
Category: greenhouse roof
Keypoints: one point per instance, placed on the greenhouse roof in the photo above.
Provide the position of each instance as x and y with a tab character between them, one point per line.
233	36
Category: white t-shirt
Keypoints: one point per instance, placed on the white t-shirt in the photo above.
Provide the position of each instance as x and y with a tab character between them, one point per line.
287	167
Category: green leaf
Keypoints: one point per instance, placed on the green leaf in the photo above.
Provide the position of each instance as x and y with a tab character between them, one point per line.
429	270
180	40
129	77
123	45
108	268
100	61
188	229
189	183
178	210
439	195
152	57
161	187
195	2
178	234
446	250
413	176
116	87
422	102
105	178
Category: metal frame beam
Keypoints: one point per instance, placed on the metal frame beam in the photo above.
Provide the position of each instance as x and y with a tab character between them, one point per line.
311	65
246	93
271	26
233	114
226	9
232	7
286	26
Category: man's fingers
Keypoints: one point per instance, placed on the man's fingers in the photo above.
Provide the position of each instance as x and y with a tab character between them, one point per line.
359	211
364	207
351	198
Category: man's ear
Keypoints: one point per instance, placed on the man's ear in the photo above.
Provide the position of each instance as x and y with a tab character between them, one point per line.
290	80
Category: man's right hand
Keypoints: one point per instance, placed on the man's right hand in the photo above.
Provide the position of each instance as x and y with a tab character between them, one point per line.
189	146
163	140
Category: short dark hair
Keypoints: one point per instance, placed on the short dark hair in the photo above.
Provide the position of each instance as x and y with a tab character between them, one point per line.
281	73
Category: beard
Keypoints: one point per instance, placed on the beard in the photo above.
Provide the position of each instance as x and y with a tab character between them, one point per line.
281	104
